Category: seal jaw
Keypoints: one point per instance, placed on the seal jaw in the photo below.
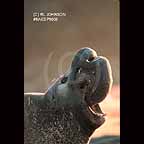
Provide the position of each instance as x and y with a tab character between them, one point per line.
86	83
96	115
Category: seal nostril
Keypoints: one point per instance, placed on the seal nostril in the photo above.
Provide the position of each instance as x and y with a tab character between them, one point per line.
91	58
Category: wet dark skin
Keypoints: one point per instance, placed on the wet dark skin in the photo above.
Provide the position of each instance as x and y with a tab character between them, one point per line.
69	112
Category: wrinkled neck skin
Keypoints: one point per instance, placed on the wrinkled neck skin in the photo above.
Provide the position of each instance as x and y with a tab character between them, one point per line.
53	118
69	111
64	93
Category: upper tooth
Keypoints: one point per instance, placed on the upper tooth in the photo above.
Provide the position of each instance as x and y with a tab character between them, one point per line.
79	71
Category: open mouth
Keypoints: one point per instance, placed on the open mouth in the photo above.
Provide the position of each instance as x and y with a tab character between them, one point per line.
96	110
86	82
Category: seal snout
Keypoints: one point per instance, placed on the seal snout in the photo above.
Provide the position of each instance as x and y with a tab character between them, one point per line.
92	75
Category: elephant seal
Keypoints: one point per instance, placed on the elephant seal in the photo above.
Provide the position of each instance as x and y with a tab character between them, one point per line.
69	112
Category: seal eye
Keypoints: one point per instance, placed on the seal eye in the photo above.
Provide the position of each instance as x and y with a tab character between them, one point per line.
64	80
78	70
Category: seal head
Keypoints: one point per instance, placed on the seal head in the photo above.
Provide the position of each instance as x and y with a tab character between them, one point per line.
85	84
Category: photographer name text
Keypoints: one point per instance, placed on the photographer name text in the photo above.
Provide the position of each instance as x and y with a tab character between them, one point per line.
47	17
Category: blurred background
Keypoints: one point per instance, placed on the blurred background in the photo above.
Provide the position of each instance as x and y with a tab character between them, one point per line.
49	46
